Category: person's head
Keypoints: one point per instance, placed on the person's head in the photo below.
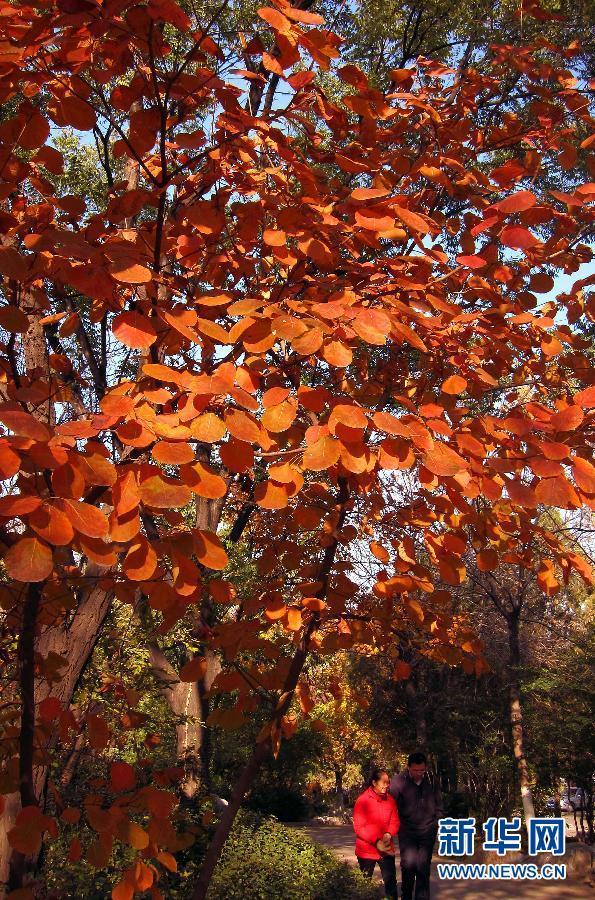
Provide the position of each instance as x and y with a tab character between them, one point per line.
417	765
379	780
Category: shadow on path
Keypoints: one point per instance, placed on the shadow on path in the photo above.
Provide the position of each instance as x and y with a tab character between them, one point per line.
340	840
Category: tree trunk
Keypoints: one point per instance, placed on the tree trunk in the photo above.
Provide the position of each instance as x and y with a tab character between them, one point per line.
516	715
74	643
184	701
416	710
206	744
555	779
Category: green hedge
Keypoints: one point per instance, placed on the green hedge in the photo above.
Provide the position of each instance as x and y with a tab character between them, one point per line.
264	859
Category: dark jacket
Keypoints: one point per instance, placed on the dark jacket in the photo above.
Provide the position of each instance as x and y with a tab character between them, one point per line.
420	806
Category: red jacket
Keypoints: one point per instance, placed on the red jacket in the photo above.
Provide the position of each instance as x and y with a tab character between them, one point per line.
373	816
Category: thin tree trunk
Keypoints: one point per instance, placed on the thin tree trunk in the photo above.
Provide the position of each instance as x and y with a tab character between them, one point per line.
262	746
339	788
21	864
516	715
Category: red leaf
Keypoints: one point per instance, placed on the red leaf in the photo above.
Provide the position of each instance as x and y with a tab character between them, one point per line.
568	419
518	238
134	330
195	670
518	202
454	385
122	777
162	493
442	460
85	518
29	560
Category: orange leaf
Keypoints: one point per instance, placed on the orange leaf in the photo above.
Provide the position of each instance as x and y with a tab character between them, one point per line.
584	474
487	560
202	480
25	839
454	385
13	320
402	670
85	518
442	460
140	561
162	493
207	428
374	219
274	238
24	424
123	891
586	397
274	18
271	495
395	454
49	708
130	273
372	325
29	560
52	525
195	670
209	550
294	619
237	456
279	418
75	850
134	330
170	453
167	860
10	462
323	454
557	492
242	426
76	112
338	354
568	419
369	193
98	732
413	221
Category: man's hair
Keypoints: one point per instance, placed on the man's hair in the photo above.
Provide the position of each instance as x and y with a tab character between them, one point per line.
416	759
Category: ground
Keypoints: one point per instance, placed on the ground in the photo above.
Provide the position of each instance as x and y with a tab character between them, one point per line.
339	839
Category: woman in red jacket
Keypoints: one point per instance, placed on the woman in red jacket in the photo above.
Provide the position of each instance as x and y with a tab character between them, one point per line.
376	822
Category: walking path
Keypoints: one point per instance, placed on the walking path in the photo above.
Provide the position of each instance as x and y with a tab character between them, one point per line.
339	839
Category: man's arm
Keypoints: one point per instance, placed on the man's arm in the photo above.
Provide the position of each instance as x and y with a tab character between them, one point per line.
438	804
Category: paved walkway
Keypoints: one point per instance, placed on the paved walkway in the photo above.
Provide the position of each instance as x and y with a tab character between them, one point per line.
339	839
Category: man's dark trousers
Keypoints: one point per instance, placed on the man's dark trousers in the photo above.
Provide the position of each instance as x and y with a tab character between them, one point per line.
416	856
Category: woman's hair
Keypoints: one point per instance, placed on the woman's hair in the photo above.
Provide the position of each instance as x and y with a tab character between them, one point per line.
375	774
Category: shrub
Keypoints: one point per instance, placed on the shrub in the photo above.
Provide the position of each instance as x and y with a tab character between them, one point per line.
264	859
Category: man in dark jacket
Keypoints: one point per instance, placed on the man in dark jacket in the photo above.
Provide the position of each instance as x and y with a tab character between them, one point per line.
420	807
